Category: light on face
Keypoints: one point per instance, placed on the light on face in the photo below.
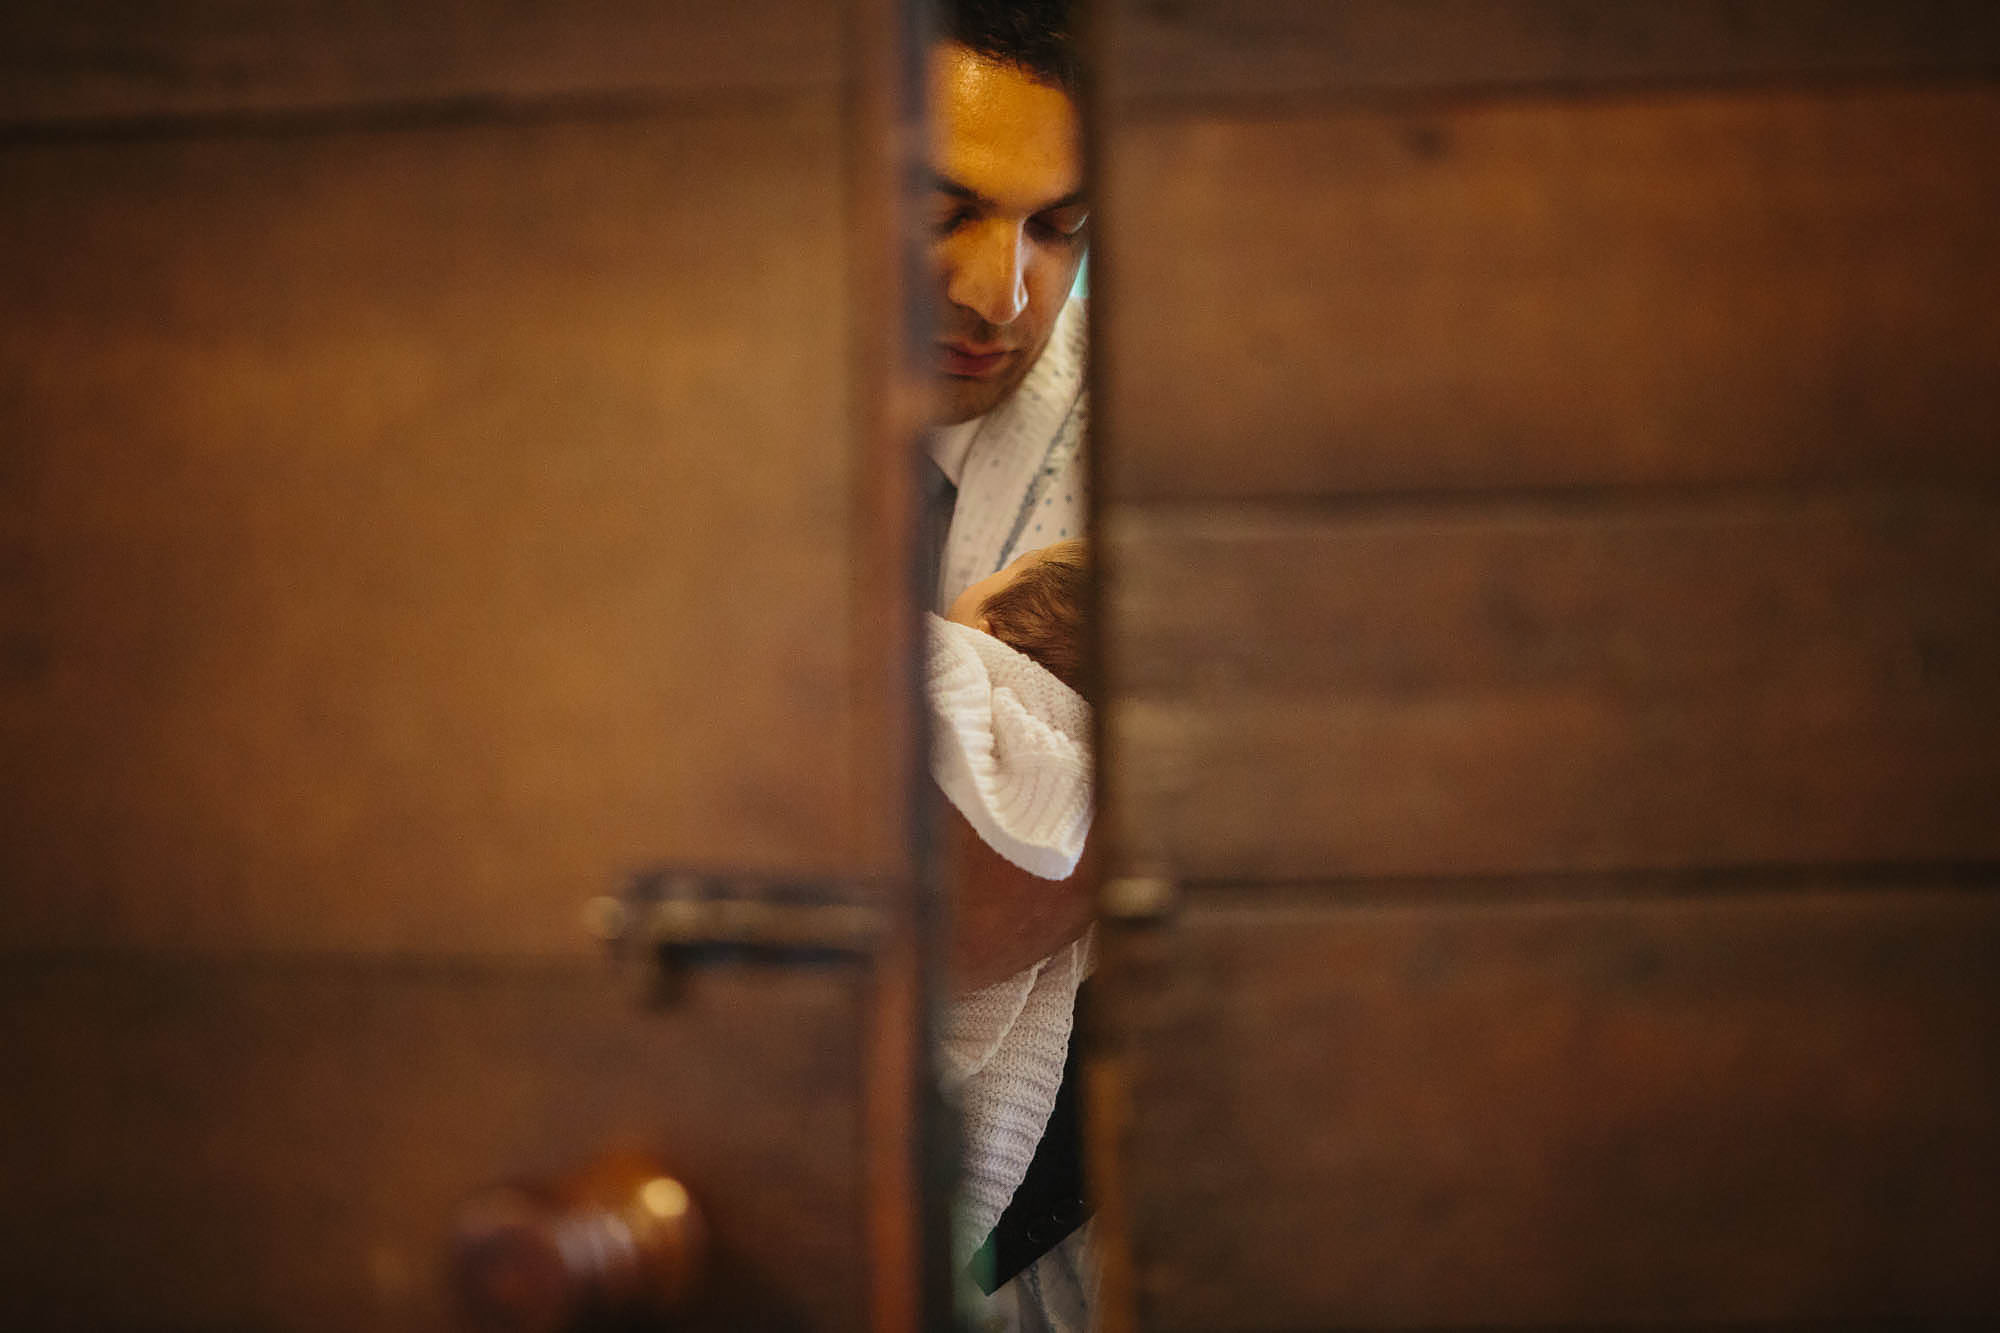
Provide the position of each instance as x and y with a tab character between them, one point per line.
1007	219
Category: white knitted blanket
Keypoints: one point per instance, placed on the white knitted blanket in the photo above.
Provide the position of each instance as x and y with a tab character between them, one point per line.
1010	745
1011	749
1003	1050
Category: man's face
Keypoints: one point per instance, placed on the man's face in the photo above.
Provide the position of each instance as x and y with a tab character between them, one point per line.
1006	215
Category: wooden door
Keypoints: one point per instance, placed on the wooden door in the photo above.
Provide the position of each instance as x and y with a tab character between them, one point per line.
452	464
1552	620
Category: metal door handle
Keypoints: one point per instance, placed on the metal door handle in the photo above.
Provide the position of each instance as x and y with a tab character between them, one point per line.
620	1242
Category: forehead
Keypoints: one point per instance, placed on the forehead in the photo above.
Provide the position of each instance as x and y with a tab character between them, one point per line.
1000	133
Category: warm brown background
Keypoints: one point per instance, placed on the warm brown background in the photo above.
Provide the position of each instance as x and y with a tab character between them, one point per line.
446	469
1548	482
1548	495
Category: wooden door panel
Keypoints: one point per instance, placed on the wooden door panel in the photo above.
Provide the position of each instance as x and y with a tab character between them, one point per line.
1535	1111
1451	690
411	533
1546	483
279	1143
452	463
69	61
1201	52
1698	289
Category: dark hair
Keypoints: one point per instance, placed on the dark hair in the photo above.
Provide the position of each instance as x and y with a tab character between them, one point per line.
1035	36
1041	613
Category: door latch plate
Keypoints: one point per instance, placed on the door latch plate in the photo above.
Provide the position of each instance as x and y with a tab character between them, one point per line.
685	918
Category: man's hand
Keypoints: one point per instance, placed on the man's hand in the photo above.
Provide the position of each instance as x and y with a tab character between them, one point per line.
1003	918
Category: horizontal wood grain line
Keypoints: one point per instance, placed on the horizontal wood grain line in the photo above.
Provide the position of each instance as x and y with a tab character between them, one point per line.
1887	589
1187	54
1679	1112
1219	896
1716	290
97	60
1530	503
470	112
1471	694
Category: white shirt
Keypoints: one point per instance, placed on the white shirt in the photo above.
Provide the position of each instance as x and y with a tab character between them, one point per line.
949	445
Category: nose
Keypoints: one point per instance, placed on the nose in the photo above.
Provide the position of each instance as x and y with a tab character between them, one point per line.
990	277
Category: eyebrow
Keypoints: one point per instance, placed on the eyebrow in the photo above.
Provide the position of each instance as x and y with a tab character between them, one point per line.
946	185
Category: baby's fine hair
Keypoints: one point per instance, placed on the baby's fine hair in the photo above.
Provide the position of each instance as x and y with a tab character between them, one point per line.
1041	613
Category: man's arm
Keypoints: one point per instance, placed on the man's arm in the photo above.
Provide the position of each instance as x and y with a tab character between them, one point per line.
1003	918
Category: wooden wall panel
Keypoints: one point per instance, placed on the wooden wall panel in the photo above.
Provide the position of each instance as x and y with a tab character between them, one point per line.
68	61
1539	1113
1728	288
280	1143
1163	52
1494	690
1547	483
444	447
407	534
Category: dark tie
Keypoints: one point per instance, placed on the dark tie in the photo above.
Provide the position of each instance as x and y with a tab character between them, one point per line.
940	498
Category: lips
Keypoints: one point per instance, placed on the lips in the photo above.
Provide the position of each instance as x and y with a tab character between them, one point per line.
970	360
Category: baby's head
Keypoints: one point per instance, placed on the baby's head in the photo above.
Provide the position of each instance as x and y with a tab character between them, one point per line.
1036	606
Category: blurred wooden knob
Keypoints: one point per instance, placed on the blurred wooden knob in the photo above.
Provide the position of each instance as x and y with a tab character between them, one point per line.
621	1242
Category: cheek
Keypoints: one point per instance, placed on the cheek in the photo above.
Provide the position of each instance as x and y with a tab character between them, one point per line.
942	256
1050	280
964	610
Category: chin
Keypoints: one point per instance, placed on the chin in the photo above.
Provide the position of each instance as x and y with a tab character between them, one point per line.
961	400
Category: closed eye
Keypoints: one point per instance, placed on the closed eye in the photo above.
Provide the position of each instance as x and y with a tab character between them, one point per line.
1064	225
946	223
